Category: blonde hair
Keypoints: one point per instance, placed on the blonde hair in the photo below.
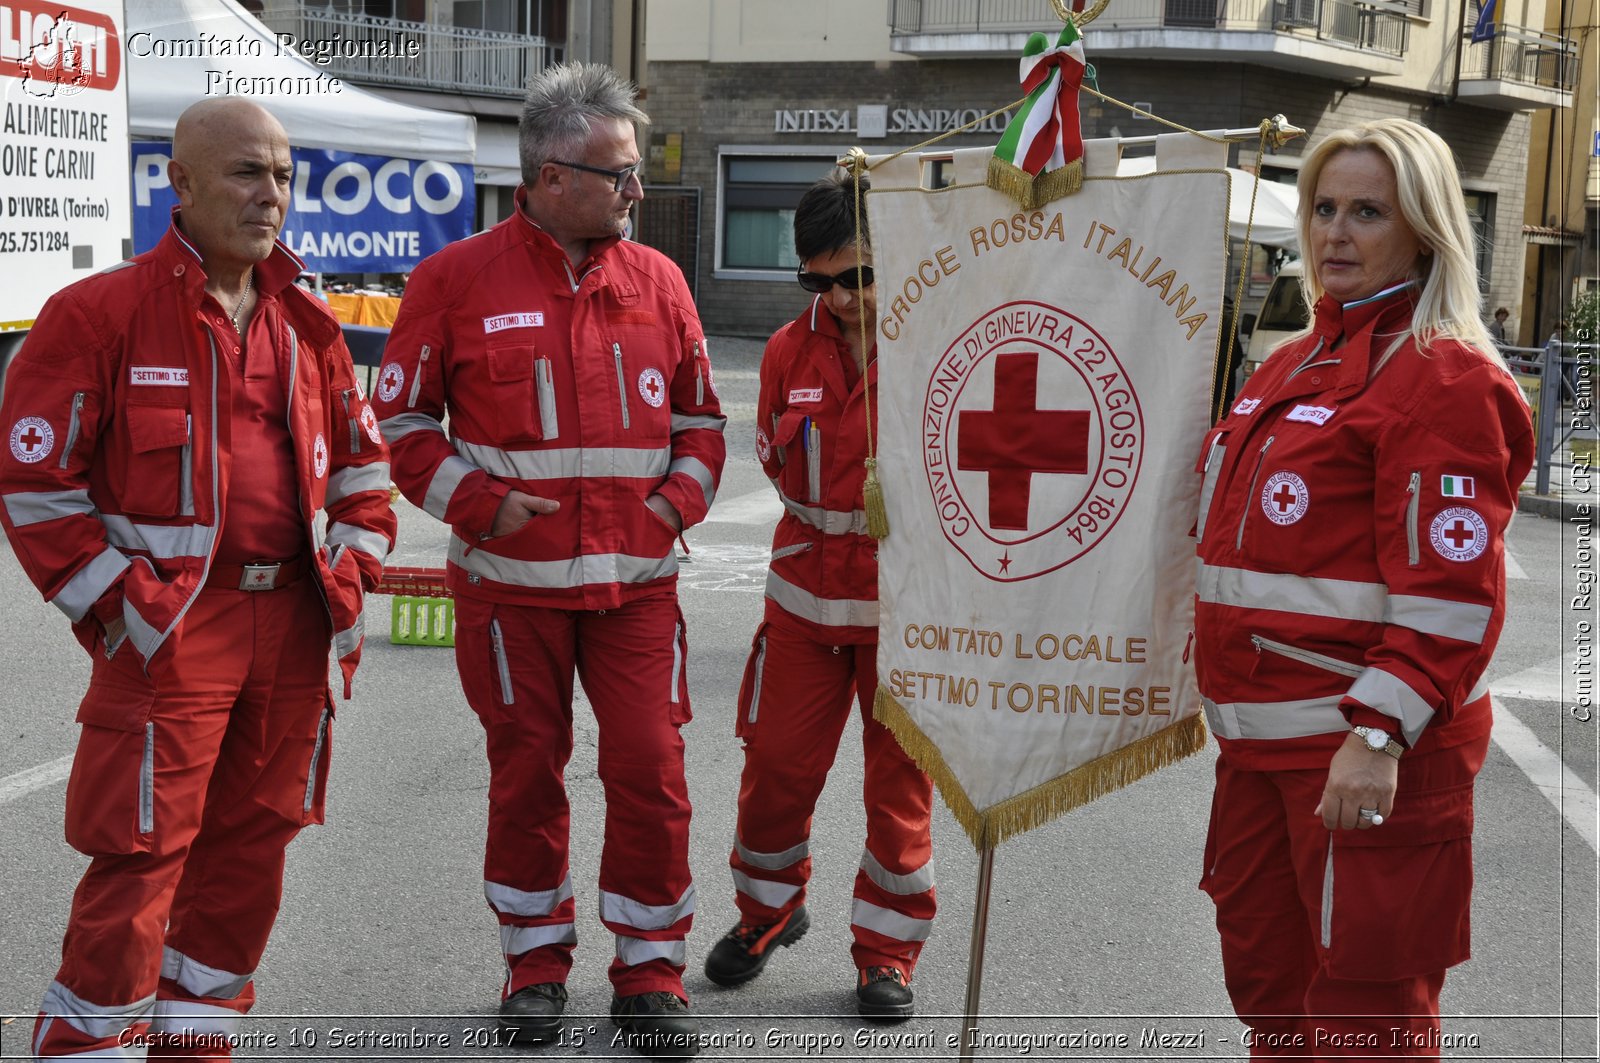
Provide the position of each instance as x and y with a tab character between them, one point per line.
1449	305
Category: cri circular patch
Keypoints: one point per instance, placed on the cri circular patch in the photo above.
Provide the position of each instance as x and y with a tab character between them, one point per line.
653	386
369	421
32	439
763	446
319	456
1459	534
1284	498
390	381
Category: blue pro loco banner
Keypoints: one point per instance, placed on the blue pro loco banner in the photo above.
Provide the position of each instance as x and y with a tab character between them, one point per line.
347	213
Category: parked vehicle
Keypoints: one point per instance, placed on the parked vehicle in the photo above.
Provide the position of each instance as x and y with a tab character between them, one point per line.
1283	313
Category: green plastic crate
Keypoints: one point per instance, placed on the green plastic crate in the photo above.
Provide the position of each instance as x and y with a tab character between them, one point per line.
418	621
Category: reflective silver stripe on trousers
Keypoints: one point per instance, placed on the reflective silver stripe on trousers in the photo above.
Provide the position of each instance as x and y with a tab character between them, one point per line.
401	425
89	583
1327	898
1332	598
590	463
615	908
890	924
567	573
1393	696
771	894
356	479
1437	616
348	641
36	507
918	881
187	1017
773	861
827	521
199	979
374	544
533	904
696	470
1275	719
830	612
682	422
93	1020
446	480
634	951
515	940
161	541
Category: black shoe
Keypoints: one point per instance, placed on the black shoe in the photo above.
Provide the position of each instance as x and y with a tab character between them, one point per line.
657	1024
745	950
533	1013
883	996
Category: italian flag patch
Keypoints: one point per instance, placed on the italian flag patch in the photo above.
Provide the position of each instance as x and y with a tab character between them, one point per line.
1457	487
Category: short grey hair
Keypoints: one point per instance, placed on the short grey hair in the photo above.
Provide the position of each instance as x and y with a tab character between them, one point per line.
561	107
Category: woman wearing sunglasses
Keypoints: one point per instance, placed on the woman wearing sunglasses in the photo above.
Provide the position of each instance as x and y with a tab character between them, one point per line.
815	652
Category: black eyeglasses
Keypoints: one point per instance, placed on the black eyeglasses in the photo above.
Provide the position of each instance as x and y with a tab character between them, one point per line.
619	177
851	280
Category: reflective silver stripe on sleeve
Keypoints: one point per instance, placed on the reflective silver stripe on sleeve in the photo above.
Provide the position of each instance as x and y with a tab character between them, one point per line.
827	521
1275	719
1393	696
1479	689
93	1020
358	478
1335	599
348	641
634	951
682	422
695	469
589	463
771	894
36	507
190	1018
530	904
199	979
145	637
158	540
89	583
1462	621
401	425
773	861
615	908
918	881
373	544
587	570
829	612
446	480
889	923
515	940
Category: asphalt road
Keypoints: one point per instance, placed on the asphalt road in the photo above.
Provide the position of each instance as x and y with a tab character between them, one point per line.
1099	943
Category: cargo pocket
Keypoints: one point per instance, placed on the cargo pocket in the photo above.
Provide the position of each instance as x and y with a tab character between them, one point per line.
680	713
313	809
744	722
156	482
111	791
517	402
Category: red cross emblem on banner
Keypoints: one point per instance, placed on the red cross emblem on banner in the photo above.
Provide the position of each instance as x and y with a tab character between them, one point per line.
1016	439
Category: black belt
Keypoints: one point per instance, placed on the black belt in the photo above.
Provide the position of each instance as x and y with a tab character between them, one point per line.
259	575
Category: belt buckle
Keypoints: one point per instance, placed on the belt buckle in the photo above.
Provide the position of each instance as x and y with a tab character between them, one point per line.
259	577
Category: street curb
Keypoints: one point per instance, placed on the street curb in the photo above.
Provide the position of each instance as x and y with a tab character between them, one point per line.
1556	507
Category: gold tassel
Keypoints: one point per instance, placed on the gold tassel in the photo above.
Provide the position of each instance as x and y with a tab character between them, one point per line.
872	494
1030	191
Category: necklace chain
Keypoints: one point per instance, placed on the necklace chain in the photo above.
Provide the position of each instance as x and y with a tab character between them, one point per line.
249	282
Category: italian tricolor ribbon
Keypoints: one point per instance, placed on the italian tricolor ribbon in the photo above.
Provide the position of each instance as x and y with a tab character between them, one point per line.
1040	157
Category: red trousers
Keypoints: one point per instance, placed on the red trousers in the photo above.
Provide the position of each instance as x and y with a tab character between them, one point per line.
517	664
1335	944
795	699
185	797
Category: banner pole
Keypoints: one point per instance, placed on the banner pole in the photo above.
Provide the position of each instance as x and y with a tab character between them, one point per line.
980	931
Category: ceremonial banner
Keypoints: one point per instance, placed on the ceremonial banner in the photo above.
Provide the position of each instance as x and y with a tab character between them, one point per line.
1044	376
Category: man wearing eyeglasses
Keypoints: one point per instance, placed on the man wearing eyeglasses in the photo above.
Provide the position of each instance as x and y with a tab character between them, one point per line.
584	434
815	653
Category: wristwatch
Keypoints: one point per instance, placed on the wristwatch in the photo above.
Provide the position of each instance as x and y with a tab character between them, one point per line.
1378	740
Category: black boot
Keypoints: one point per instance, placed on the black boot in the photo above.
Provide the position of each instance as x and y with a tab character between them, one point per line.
533	1013
745	950
883	996
657	1025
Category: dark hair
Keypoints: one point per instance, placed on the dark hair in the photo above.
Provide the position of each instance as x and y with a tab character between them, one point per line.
825	220
1502	310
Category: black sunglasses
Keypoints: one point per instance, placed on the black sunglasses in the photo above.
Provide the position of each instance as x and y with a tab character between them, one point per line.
620	178
851	280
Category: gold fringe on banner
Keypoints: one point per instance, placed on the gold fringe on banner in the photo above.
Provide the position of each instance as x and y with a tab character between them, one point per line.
1030	191
1045	802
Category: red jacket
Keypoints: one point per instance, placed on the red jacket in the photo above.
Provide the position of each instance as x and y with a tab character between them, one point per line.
589	386
811	438
1352	562
119	462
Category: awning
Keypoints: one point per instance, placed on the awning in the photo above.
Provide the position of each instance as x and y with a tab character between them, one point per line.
1550	236
1276	205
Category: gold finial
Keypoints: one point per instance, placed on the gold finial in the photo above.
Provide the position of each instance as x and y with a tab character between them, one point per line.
1280	130
855	160
1082	18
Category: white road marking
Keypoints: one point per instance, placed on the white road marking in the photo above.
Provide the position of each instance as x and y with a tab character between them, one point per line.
1542	682
1560	786
1514	569
756	507
37	778
725	567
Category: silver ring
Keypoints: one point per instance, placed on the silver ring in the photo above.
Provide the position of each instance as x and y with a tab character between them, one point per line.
1371	816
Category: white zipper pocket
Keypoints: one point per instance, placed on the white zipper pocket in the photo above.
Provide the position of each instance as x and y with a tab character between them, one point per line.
351	420
1413	550
547	398
186	469
699	377
72	428
502	665
755	686
316	759
677	659
147	781
416	383
814	464
1215	456
1315	660
1250	499
790	551
622	384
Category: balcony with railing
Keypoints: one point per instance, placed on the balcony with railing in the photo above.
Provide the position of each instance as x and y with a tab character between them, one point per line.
1326	38
372	49
1519	69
